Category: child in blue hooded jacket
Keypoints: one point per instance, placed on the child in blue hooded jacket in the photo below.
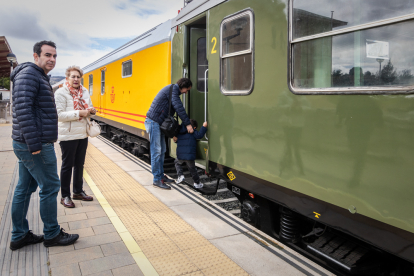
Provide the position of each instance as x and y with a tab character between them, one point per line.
186	151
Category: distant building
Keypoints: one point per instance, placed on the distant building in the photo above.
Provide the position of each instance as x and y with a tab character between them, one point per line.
5	94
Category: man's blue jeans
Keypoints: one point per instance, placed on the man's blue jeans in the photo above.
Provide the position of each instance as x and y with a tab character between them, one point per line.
36	170
157	148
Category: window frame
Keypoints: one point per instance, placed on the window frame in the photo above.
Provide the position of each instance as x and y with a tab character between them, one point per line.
90	84
206	80
103	72
348	90
251	51
127	76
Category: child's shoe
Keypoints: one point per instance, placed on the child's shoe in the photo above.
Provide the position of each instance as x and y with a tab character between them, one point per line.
198	185
180	179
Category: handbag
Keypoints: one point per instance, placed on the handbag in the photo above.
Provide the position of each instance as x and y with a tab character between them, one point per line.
93	129
170	126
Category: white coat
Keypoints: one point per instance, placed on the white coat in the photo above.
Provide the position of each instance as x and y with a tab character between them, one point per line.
69	126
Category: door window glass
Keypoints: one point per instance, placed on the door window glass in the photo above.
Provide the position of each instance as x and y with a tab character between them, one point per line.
202	63
236	54
90	84
102	82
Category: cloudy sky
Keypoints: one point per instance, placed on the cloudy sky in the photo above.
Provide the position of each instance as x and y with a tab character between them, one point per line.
83	30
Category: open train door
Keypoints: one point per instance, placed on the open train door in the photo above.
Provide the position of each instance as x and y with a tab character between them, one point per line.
198	96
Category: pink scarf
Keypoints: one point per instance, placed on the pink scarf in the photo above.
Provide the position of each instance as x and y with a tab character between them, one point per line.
78	102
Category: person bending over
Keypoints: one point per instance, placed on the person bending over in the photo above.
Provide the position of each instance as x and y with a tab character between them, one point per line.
155	117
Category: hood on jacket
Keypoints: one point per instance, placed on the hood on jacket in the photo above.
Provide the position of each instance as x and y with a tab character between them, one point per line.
179	91
24	65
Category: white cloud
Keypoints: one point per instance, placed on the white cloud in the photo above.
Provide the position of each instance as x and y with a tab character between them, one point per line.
79	27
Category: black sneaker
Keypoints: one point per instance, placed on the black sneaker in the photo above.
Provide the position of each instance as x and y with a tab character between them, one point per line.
62	239
30	238
160	184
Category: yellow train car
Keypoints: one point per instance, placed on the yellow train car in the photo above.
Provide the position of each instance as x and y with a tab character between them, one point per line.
123	83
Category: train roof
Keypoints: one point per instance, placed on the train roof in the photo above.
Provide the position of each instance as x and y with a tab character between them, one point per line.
59	83
193	9
155	36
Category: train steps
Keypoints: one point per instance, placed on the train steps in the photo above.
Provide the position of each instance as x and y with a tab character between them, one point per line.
351	257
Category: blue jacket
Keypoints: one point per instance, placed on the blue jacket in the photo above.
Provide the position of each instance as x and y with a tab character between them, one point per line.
35	120
159	107
187	143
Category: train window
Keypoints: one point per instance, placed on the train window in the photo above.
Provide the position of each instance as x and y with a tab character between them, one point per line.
127	69
236	54
102	82
202	63
82	81
361	59
90	84
319	16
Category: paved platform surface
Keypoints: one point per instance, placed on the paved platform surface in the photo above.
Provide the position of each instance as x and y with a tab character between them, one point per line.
132	228
31	260
99	250
175	217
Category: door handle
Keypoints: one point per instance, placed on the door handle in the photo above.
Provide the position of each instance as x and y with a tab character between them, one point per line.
205	99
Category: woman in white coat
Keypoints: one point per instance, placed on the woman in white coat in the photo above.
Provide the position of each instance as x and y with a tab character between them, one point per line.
73	105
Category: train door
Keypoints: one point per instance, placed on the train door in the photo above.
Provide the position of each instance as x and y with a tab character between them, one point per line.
198	73
102	98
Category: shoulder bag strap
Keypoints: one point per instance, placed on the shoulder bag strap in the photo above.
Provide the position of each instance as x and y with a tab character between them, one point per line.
169	105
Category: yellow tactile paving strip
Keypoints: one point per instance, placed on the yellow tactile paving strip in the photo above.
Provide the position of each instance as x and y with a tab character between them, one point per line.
147	226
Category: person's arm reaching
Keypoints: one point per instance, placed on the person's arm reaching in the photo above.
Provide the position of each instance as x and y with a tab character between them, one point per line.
179	108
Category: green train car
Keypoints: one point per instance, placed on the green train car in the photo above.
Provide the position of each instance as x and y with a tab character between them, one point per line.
310	108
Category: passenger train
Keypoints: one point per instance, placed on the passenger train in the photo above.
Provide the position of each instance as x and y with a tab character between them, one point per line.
310	106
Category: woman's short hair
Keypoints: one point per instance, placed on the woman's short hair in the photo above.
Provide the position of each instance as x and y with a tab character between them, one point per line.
184	83
73	68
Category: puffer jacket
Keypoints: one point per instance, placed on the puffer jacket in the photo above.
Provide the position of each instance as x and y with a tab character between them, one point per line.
159	107
35	119
187	143
70	128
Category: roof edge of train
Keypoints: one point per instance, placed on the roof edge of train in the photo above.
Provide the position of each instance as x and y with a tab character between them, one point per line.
157	35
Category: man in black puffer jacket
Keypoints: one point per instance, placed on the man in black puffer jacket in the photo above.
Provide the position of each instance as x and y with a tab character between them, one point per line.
35	129
155	117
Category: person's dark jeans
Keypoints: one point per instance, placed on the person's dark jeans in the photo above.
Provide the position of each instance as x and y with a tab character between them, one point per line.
157	149
191	167
73	156
35	170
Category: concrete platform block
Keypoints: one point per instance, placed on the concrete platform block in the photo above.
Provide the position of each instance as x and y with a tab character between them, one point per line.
106	263
207	224
75	256
97	240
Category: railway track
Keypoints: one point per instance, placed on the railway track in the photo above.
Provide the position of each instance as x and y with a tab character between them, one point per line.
224	198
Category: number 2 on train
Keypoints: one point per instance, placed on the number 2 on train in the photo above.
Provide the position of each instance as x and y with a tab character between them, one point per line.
213	50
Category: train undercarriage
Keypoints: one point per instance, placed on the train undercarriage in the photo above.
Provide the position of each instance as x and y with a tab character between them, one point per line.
325	245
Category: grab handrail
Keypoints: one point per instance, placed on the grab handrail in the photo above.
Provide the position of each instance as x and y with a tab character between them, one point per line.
205	99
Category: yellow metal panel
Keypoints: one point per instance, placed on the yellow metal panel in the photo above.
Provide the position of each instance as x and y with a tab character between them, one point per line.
127	100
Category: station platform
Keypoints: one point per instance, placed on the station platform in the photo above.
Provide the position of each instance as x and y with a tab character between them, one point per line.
132	228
